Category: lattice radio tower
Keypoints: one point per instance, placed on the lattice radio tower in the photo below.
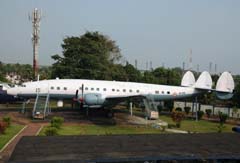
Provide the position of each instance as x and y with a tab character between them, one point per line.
35	18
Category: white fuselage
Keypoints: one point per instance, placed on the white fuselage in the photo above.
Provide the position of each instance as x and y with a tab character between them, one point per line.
66	89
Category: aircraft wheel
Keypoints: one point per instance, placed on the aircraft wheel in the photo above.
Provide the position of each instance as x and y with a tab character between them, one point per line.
110	114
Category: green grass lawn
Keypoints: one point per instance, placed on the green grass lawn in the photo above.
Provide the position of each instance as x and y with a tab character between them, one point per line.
10	132
91	129
201	126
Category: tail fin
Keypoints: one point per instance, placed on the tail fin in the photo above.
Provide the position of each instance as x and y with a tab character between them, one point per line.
204	81
225	86
188	79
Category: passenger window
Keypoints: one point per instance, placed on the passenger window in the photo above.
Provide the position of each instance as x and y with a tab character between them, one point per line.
80	88
168	92
65	88
92	89
156	92
117	90
124	90
162	92
58	88
137	91
130	90
52	87
113	90
97	89
86	88
104	89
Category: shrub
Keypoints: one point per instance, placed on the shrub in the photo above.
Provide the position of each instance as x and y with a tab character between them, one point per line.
187	109
57	122
178	109
7	120
51	131
200	114
177	117
3	127
222	117
208	112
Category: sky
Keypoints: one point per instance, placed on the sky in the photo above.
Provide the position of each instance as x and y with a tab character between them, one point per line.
157	31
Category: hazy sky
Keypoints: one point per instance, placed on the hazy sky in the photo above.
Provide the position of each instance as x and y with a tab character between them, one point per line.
146	30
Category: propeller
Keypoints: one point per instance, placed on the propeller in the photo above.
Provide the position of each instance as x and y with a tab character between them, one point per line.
76	96
81	100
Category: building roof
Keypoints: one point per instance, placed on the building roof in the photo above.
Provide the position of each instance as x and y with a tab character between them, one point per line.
123	148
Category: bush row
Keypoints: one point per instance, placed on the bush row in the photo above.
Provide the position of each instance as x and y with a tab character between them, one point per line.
55	125
4	124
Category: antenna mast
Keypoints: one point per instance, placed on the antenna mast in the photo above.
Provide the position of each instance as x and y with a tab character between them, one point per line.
35	18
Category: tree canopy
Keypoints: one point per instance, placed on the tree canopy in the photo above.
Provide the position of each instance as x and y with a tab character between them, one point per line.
89	56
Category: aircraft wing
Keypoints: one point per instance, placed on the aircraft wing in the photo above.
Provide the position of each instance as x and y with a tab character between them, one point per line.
114	100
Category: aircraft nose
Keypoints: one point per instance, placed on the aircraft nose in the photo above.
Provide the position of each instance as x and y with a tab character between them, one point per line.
12	91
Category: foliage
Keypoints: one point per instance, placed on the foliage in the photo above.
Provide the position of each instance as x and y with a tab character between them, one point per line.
3	127
177	117
57	122
208	112
187	109
200	114
51	131
88	56
222	117
7	119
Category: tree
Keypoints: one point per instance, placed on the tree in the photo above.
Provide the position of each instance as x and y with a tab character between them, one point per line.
89	56
133	74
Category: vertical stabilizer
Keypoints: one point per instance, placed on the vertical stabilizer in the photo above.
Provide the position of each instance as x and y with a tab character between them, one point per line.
225	83
188	79
204	81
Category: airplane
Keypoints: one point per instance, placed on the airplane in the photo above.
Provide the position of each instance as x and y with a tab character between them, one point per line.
101	93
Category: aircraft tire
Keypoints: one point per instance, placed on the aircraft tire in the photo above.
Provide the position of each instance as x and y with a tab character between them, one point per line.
110	114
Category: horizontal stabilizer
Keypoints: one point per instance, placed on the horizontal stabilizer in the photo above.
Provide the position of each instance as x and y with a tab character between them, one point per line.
225	86
188	79
204	81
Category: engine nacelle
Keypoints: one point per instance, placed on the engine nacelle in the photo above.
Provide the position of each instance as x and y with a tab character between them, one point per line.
93	99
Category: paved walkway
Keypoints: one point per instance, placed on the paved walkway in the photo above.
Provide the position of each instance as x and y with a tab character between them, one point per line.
31	130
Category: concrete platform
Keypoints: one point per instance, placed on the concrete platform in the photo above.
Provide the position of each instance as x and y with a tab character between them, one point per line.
128	148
